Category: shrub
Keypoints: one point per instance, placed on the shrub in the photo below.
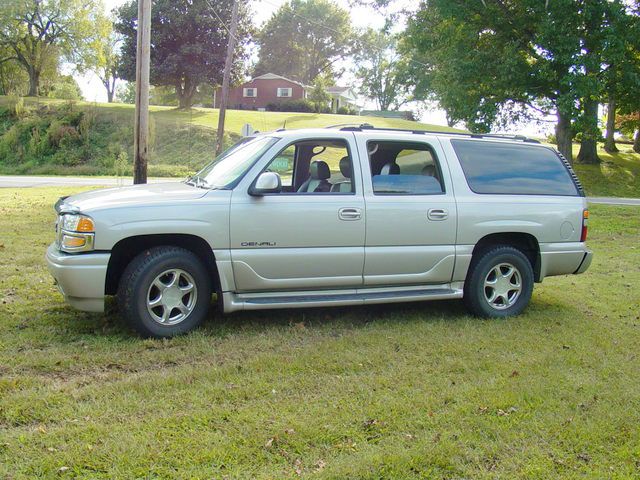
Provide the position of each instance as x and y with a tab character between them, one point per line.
301	106
347	110
60	134
16	107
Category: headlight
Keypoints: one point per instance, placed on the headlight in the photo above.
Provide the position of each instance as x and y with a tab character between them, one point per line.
75	233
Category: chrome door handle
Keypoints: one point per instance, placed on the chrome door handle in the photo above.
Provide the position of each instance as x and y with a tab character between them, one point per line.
348	214
437	214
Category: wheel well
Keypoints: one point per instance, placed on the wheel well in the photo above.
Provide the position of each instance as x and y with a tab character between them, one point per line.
127	249
525	242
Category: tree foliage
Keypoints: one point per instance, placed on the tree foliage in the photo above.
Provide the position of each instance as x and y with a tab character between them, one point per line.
305	39
188	43
485	58
36	32
380	70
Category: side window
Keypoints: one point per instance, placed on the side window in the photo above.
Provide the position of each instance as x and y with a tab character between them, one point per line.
404	168
503	168
315	166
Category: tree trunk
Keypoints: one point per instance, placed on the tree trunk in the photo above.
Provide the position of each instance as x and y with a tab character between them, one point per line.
589	144
610	142
185	94
564	136
34	82
636	141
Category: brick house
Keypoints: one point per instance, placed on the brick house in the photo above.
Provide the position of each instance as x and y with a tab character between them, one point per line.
261	91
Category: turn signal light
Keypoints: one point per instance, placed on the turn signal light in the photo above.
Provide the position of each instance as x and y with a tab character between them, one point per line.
585	225
85	225
73	242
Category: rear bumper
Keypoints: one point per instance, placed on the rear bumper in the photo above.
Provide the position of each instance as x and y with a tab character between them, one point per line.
586	262
563	259
80	277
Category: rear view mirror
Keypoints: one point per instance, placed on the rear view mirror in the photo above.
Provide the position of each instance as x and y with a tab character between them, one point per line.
267	182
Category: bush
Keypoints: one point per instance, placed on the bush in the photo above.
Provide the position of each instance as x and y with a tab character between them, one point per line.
347	110
59	134
301	106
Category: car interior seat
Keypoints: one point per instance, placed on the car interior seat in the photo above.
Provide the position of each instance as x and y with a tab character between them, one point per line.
318	180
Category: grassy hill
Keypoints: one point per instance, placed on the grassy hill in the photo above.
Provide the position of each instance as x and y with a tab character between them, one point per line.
63	138
59	137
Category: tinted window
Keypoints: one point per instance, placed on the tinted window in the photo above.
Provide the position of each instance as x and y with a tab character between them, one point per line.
404	168
492	167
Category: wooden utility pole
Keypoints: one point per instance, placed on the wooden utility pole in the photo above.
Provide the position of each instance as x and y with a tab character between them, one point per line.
228	63
143	63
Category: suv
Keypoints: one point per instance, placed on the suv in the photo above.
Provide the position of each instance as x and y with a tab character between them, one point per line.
323	217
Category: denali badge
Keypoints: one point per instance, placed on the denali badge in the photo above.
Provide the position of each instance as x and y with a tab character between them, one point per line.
258	244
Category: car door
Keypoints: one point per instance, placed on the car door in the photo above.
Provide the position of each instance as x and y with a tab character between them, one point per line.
301	240
410	208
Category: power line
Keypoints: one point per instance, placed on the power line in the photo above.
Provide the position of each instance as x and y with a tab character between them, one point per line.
224	25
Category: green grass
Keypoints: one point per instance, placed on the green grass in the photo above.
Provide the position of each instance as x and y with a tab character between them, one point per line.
400	391
618	175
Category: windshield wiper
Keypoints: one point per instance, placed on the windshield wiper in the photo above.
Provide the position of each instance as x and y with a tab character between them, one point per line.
198	182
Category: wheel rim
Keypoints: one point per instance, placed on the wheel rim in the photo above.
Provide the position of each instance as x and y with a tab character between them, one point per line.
502	286
171	297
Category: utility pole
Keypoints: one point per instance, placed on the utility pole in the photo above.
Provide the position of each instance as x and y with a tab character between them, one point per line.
143	63
228	63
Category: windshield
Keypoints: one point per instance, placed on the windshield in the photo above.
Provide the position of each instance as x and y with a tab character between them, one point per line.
232	164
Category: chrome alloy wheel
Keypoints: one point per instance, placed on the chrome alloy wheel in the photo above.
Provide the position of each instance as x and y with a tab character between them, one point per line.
171	297
502	286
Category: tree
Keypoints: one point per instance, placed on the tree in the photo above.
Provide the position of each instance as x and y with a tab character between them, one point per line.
319	95
188	43
106	60
380	70
126	92
12	77
489	58
305	39
36	30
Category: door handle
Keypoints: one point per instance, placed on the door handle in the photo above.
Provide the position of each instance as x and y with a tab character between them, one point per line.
437	214
348	214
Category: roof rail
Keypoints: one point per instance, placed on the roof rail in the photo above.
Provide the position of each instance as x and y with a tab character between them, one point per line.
366	126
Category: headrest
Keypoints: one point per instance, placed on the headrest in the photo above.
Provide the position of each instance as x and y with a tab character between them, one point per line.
429	170
345	167
319	170
390	169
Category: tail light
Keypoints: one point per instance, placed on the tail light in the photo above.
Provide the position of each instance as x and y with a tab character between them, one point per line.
585	225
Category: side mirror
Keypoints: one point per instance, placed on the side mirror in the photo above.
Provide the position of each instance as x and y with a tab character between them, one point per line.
267	182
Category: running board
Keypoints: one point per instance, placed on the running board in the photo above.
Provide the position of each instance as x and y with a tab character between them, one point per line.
260	301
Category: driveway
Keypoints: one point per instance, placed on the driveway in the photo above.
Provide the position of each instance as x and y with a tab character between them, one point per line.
19	181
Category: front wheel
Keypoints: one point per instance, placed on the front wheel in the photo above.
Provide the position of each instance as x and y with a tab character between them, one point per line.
165	291
499	283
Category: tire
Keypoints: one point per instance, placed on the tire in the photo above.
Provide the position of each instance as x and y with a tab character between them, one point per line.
491	290
164	291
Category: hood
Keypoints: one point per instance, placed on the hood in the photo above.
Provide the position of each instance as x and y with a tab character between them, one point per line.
158	193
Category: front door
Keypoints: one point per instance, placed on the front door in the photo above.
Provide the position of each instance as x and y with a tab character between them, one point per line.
411	212
310	235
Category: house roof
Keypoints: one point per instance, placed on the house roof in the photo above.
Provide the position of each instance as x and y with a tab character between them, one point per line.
336	89
273	76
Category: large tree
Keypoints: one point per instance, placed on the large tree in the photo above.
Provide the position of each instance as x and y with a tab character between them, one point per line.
379	70
188	43
483	58
34	31
305	39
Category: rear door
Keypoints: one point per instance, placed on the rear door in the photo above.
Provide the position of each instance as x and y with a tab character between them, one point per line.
411	210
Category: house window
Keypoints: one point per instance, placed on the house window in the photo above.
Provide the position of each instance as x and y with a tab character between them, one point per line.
250	92
284	92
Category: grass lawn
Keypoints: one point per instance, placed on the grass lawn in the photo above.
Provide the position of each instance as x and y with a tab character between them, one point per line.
401	391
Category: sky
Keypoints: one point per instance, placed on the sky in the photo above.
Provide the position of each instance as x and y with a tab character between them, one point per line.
362	17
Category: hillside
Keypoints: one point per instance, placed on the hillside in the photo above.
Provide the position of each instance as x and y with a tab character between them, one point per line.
62	138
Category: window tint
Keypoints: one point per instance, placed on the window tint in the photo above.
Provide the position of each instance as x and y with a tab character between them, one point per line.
491	167
404	168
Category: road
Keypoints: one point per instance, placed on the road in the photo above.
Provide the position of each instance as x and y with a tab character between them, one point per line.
19	181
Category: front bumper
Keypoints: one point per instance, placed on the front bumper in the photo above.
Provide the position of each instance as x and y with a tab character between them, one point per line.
80	278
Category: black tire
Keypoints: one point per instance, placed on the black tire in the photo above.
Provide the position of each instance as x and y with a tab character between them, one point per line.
477	296
137	286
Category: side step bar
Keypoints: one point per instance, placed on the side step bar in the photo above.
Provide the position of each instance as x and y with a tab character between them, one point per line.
260	301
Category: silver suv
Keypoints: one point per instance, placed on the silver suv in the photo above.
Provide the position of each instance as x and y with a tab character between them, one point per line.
338	216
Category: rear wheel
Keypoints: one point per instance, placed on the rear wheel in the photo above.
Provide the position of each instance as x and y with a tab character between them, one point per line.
165	291
499	283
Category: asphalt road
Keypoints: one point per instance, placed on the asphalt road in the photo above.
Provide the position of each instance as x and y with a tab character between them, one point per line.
19	181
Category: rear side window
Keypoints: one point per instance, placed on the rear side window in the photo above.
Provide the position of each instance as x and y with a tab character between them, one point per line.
497	168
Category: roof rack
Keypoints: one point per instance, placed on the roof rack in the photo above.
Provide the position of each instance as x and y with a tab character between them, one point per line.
366	126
